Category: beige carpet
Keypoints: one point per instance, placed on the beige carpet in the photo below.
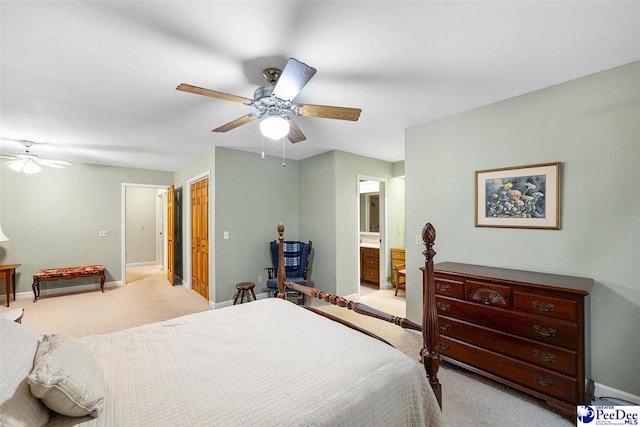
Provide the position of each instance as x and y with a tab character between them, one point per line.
468	398
146	298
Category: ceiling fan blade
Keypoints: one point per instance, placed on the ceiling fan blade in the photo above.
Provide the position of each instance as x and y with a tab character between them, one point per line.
214	94
8	157
51	165
295	134
293	78
54	163
327	112
237	122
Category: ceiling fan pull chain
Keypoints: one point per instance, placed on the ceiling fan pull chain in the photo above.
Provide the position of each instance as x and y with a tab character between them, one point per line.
262	155
283	162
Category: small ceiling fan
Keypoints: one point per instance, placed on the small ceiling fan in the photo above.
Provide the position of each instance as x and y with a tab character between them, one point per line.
274	102
30	163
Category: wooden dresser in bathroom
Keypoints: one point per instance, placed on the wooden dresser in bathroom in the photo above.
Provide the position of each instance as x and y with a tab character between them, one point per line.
370	264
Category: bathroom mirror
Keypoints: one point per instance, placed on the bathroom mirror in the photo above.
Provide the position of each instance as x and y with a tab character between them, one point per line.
370	212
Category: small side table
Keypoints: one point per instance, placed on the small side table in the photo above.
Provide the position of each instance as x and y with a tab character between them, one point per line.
14	315
9	272
244	289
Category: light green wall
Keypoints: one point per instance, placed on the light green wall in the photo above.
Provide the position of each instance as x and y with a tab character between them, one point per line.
317	216
348	167
396	213
329	214
315	198
591	125
140	223
253	195
53	218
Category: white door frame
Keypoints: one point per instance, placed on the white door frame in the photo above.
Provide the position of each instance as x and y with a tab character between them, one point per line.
384	249
186	234
123	222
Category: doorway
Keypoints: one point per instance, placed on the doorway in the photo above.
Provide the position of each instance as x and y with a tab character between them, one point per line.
372	245
143	231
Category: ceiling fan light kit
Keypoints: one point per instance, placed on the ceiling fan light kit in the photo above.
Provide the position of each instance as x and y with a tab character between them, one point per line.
274	127
27	166
274	102
30	164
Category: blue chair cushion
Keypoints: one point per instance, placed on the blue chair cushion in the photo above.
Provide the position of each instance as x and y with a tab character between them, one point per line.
296	258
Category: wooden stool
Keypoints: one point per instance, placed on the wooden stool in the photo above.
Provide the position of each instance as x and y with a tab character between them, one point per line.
244	289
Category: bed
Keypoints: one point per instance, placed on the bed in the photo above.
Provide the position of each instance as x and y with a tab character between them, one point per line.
269	362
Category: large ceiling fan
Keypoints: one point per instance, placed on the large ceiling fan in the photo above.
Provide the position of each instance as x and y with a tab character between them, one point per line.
274	102
30	163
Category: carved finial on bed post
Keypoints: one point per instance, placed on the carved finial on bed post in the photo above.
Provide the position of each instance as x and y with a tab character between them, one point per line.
282	275
430	331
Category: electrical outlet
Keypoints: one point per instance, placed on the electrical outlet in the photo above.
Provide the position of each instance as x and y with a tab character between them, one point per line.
103	233
418	240
260	278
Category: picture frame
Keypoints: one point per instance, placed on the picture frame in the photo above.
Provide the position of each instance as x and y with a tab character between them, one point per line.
519	197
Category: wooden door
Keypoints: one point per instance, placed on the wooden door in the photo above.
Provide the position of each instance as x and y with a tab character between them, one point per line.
171	231
200	237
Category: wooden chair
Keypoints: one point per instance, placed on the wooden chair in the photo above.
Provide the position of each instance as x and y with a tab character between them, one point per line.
401	278
297	266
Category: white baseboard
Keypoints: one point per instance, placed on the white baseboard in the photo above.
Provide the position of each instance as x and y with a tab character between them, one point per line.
230	302
68	289
141	264
606	391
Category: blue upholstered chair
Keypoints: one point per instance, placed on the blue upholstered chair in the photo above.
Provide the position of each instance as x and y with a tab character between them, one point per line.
296	266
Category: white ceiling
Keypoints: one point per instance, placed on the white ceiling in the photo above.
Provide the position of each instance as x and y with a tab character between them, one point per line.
94	81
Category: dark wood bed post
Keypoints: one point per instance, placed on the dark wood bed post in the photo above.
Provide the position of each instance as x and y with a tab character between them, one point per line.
281	272
430	331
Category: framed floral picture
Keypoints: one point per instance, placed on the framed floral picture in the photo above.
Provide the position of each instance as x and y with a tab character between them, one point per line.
519	197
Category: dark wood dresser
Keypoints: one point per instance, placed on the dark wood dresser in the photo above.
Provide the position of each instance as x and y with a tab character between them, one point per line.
523	329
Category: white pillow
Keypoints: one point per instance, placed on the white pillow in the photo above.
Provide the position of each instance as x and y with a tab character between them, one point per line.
67	377
17	349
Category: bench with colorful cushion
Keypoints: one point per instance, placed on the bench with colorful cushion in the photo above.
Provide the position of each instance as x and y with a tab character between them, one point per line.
66	273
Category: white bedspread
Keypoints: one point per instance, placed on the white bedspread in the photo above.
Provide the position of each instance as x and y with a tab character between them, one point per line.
265	363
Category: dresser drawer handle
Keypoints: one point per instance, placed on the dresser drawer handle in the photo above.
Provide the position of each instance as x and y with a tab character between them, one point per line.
545	332
444	346
445	326
545	357
443	287
542	306
544	382
444	307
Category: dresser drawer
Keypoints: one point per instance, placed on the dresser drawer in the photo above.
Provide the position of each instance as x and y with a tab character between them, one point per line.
527	350
547	331
397	255
372	252
372	262
558	308
540	379
370	274
488	293
449	287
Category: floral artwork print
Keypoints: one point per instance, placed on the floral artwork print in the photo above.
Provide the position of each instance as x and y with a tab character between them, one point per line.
516	197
